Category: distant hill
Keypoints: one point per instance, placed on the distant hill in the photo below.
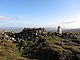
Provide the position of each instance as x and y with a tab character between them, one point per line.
72	30
14	29
50	29
18	29
64	30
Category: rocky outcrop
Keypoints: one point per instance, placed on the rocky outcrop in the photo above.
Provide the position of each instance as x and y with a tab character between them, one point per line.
38	44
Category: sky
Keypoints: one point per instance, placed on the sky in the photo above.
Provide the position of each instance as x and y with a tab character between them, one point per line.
40	13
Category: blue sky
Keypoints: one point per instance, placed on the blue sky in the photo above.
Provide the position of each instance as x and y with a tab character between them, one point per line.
40	13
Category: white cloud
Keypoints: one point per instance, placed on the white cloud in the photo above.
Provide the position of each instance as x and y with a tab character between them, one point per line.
4	18
23	18
71	24
11	18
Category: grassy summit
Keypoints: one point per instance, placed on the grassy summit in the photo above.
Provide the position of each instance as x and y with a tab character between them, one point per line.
42	45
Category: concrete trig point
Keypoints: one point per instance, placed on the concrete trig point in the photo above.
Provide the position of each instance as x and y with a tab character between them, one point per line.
59	30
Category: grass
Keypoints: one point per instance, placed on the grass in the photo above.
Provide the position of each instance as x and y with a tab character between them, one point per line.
8	50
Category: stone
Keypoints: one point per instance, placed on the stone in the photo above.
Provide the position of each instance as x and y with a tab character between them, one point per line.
59	30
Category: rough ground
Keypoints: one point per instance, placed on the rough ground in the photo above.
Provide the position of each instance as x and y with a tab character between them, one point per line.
43	45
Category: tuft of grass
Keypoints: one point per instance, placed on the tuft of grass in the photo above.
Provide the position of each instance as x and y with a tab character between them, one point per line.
8	50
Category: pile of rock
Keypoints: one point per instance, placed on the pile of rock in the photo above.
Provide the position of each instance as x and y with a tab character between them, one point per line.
69	35
34	31
28	33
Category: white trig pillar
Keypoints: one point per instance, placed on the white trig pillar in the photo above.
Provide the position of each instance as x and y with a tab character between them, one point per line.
59	30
